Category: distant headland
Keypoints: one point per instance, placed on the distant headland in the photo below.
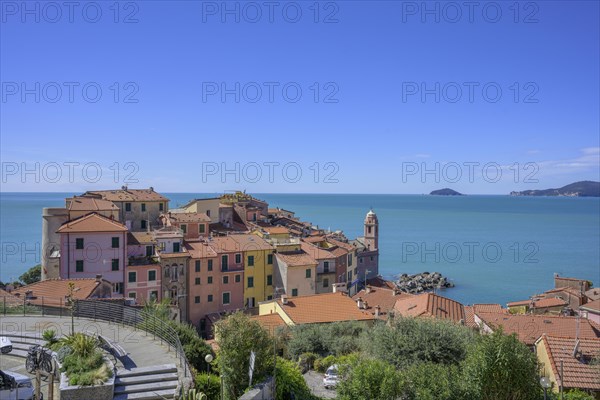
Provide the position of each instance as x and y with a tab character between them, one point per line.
445	192
577	189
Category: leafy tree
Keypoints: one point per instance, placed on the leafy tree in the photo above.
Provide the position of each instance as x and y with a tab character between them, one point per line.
33	275
337	338
290	382
369	379
428	381
578	395
410	340
237	336
499	367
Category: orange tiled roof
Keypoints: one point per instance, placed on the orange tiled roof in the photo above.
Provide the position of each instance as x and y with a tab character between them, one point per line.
269	321
249	242
9	299
316	252
54	291
593	306
549	302
570	290
577	371
323	308
488	308
470	317
431	305
344	245
518	303
91	204
296	259
128	195
530	327
275	229
383	297
593	294
92	223
200	249
380	282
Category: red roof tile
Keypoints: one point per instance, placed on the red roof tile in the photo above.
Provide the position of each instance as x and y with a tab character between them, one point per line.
431	305
323	308
92	223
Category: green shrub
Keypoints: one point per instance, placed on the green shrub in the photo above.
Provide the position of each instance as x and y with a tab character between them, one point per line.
62	352
81	344
208	384
290	382
49	335
578	395
86	371
369	379
306	361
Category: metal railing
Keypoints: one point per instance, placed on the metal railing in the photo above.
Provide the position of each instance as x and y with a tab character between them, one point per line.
105	310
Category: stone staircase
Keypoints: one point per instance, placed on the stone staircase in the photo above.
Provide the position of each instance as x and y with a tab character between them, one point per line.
22	343
156	382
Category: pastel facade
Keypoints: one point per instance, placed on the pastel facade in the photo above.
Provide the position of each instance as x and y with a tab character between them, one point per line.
143	283
295	273
194	225
94	245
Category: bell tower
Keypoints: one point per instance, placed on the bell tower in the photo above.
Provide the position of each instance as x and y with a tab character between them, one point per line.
371	231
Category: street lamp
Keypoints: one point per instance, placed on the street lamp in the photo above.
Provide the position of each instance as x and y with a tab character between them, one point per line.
546	384
208	358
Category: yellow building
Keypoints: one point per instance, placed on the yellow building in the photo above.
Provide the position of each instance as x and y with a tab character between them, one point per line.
258	268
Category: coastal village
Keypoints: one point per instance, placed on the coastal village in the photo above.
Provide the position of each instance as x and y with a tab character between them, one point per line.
216	256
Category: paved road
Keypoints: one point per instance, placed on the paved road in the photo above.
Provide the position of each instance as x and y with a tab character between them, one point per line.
314	380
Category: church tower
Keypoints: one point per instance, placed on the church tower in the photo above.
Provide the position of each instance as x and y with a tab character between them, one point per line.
371	231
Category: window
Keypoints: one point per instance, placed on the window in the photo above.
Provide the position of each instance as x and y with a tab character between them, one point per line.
79	243
325	282
210	262
143	224
166	272
115	264
197	281
349	259
210	298
360	260
269	297
349	275
238	258
197	265
254	217
176	247
251	261
161	206
197	299
225	280
224	262
127	207
131	277
238	279
369	229
201	228
118	287
250	281
149	251
143	207
115	243
226	298
154	295
308	273
209	281
371	258
270	259
325	266
132	295
208	213
269	280
152	275
294	292
79	266
184	228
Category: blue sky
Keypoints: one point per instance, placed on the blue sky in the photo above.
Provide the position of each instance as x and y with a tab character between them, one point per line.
389	90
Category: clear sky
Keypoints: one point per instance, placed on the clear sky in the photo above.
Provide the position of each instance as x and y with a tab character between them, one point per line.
368	94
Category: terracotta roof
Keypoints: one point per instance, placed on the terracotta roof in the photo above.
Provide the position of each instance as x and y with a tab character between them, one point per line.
378	281
128	195
275	229
577	371
91	204
593	294
183	217
344	245
488	308
323	308
315	251
296	259
593	306
250	242
383	297
519	303
549	302
9	299
269	321
314	239
431	305
138	238
200	249
470	317
569	290
54	291
92	223
530	327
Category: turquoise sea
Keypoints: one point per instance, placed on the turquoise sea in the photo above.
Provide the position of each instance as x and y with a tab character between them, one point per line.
494	248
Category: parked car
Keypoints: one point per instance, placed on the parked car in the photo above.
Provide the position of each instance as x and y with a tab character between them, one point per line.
331	379
5	345
14	386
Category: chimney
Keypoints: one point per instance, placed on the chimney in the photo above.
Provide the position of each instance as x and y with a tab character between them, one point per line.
124	187
368	289
360	304
98	278
151	189
284	299
377	311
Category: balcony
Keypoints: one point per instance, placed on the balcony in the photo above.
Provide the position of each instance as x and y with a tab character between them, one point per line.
144	260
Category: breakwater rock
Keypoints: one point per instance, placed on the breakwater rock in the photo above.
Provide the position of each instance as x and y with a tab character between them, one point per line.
422	282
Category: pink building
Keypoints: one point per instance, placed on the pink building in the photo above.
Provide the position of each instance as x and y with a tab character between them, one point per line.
194	225
143	282
94	245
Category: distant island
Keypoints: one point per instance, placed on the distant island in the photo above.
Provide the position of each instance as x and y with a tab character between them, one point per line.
445	192
577	189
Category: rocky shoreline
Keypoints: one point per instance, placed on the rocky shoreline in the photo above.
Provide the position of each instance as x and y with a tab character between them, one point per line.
422	282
